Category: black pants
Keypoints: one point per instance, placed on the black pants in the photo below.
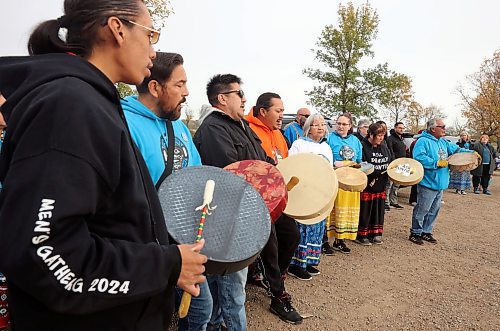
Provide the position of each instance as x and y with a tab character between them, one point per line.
278	252
484	179
413	194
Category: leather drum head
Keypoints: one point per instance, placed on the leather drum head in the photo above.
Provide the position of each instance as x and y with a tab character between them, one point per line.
463	162
367	168
405	171
235	231
316	188
267	180
321	215
351	179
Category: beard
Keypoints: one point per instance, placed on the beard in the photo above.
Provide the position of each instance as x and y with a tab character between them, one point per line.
171	114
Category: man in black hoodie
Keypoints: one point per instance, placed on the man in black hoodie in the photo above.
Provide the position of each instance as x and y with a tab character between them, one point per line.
397	147
83	239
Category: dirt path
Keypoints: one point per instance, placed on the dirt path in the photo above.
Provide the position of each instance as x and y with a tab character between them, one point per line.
454	285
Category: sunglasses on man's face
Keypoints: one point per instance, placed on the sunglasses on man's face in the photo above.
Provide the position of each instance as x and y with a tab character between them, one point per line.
240	93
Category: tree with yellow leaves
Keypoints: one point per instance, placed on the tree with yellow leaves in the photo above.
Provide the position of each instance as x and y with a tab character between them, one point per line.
481	98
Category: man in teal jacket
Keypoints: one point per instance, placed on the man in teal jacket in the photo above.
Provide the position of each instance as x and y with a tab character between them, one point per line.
148	115
432	150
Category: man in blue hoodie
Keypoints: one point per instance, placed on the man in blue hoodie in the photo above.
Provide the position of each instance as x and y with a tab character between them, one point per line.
153	120
432	150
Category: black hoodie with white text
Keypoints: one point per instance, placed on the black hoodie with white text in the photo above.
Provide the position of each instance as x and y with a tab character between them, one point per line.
83	239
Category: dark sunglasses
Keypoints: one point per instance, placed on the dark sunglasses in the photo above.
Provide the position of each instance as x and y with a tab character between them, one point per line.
306	116
240	93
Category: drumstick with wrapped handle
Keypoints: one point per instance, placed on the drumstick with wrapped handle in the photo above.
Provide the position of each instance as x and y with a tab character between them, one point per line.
205	210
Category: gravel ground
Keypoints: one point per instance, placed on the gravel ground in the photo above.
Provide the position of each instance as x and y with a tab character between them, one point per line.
454	285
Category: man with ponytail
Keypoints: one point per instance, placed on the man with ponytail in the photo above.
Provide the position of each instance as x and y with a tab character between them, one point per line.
83	234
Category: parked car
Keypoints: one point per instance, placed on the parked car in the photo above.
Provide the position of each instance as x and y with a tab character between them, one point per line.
452	139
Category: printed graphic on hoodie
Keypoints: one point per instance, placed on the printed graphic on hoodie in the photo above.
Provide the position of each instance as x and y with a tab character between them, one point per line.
347	152
181	156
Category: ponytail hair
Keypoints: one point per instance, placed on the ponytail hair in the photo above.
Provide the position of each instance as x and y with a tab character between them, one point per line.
77	31
45	39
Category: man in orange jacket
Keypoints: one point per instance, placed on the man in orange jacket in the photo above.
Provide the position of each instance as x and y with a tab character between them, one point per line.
265	120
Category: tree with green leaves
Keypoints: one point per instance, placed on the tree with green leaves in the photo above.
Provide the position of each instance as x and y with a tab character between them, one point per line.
396	97
344	86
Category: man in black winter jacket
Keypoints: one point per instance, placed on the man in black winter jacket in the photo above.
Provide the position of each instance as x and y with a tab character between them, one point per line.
397	147
225	137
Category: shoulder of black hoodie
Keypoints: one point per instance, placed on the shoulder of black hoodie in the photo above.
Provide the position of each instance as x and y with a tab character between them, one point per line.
69	144
221	141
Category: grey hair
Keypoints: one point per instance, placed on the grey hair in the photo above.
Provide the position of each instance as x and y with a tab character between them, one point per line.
432	123
363	121
309	121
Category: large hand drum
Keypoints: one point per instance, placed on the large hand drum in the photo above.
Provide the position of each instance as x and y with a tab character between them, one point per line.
463	162
405	171
351	179
312	197
236	230
267	180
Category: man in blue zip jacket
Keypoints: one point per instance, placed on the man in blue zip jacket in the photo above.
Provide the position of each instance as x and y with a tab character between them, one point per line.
432	150
159	105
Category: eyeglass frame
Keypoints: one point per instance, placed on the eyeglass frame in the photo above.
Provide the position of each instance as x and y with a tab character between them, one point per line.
304	115
240	93
322	125
152	31
441	126
343	124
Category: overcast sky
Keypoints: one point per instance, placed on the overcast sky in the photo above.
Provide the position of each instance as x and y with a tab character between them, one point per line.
267	42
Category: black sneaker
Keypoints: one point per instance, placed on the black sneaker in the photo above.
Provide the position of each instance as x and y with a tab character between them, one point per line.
363	241
377	240
256	278
312	270
416	239
326	249
299	273
282	306
396	205
428	237
341	247
387	207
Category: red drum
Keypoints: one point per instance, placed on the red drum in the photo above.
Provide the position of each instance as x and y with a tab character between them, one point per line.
267	180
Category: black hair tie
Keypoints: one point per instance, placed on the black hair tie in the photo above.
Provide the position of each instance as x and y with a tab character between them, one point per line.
63	21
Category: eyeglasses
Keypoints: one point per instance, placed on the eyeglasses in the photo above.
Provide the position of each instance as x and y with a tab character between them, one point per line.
305	115
240	93
441	126
342	124
154	35
322	125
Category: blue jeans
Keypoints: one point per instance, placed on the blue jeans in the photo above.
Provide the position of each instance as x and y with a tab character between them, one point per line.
199	312
426	210
228	293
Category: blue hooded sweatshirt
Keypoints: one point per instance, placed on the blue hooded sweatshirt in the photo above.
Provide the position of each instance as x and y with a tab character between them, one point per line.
150	135
429	150
345	148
